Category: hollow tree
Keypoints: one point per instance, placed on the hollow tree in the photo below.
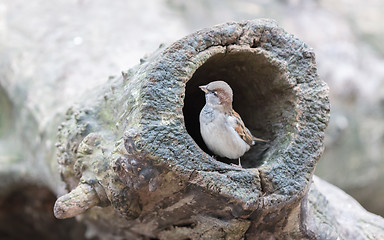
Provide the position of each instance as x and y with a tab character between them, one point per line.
135	166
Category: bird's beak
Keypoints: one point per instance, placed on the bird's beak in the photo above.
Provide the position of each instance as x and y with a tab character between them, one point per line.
204	88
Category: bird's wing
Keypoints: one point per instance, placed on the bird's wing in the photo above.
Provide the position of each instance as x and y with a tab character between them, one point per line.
240	128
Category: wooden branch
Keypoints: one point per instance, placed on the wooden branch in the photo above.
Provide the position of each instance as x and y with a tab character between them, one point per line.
80	199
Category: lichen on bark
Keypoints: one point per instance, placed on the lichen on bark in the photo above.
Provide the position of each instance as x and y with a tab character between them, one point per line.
137	137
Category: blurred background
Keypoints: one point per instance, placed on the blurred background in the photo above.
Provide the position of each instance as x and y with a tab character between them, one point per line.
66	47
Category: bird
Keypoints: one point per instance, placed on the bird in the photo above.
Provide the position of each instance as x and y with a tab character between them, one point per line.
221	127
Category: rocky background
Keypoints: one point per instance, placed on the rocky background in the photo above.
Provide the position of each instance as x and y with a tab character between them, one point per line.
80	43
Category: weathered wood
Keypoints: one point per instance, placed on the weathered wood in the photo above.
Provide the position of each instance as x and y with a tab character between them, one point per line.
80	199
135	166
139	137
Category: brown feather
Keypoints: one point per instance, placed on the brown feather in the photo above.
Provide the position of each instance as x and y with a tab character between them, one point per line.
225	99
225	94
240	128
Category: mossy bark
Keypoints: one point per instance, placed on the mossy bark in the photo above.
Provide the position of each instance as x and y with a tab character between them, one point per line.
132	147
138	137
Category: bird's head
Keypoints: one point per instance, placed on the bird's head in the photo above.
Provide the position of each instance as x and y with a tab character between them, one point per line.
219	95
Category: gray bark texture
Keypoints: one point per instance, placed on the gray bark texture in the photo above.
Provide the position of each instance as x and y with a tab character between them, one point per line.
135	167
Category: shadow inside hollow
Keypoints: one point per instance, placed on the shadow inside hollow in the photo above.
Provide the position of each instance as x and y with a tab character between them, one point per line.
258	99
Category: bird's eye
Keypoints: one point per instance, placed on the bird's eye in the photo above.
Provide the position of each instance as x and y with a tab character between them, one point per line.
214	93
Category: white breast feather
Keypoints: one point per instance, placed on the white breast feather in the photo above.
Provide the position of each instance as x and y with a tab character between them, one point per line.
221	137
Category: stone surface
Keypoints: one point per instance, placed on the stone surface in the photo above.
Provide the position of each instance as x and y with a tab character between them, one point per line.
332	214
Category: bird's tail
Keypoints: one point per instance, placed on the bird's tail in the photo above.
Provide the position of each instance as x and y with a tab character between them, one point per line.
255	139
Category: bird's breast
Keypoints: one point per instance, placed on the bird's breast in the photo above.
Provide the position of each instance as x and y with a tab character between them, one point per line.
219	136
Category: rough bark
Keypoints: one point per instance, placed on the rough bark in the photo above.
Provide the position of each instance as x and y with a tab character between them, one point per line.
133	146
138	140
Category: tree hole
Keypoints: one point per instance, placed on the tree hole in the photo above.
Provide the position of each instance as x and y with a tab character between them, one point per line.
261	97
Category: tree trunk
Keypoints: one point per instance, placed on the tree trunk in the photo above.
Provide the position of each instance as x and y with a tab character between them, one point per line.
133	147
137	140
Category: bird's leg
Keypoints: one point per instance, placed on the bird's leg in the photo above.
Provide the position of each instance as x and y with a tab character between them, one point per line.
239	166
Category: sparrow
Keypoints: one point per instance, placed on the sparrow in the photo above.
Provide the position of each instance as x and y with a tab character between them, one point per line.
222	128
